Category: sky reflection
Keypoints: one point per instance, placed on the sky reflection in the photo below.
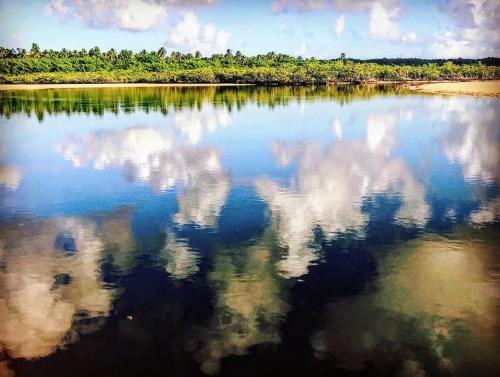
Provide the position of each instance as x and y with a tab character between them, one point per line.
51	286
354	228
433	308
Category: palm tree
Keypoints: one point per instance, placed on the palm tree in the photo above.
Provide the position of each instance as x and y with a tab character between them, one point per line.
21	53
35	50
239	57
111	56
125	54
95	52
175	55
161	53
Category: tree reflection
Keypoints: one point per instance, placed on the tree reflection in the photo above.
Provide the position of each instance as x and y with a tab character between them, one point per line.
115	100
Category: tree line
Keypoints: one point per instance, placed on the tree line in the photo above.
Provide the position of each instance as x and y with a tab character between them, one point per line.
99	101
93	65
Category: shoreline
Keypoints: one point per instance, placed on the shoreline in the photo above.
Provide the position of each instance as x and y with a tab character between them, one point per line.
489	88
5	87
476	88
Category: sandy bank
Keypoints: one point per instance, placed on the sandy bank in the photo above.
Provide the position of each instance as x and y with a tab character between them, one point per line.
475	88
117	85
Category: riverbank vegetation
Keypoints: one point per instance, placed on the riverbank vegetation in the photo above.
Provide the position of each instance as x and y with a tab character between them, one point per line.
96	66
99	101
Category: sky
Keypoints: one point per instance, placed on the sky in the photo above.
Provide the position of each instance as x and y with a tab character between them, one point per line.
320	28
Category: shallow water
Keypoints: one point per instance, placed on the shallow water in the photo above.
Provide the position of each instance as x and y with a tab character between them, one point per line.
249	231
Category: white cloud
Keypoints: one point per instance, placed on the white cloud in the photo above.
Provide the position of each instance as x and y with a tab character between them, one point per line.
383	23
488	212
313	5
383	15
190	34
476	32
380	132
301	5
302	49
410	37
339	25
144	153
133	15
449	45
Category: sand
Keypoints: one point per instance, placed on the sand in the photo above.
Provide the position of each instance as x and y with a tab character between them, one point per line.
118	85
475	88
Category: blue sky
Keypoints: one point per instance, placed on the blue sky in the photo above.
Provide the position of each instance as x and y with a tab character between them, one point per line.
321	28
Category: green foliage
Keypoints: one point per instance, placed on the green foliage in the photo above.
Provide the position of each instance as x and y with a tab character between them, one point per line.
155	98
95	66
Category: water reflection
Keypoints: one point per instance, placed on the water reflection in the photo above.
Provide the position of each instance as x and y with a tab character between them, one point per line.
432	311
10	177
51	286
144	153
180	260
158	158
476	148
248	231
464	135
194	123
249	304
331	185
115	100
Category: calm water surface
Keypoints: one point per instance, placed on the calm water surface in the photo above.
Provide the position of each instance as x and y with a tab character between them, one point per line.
249	232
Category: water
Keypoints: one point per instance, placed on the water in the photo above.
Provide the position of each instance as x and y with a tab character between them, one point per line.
249	231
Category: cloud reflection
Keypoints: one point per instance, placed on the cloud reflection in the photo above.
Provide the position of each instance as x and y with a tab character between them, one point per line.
432	307
10	177
473	141
48	278
180	260
249	305
330	187
50	284
145	153
476	147
157	158
194	123
202	202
